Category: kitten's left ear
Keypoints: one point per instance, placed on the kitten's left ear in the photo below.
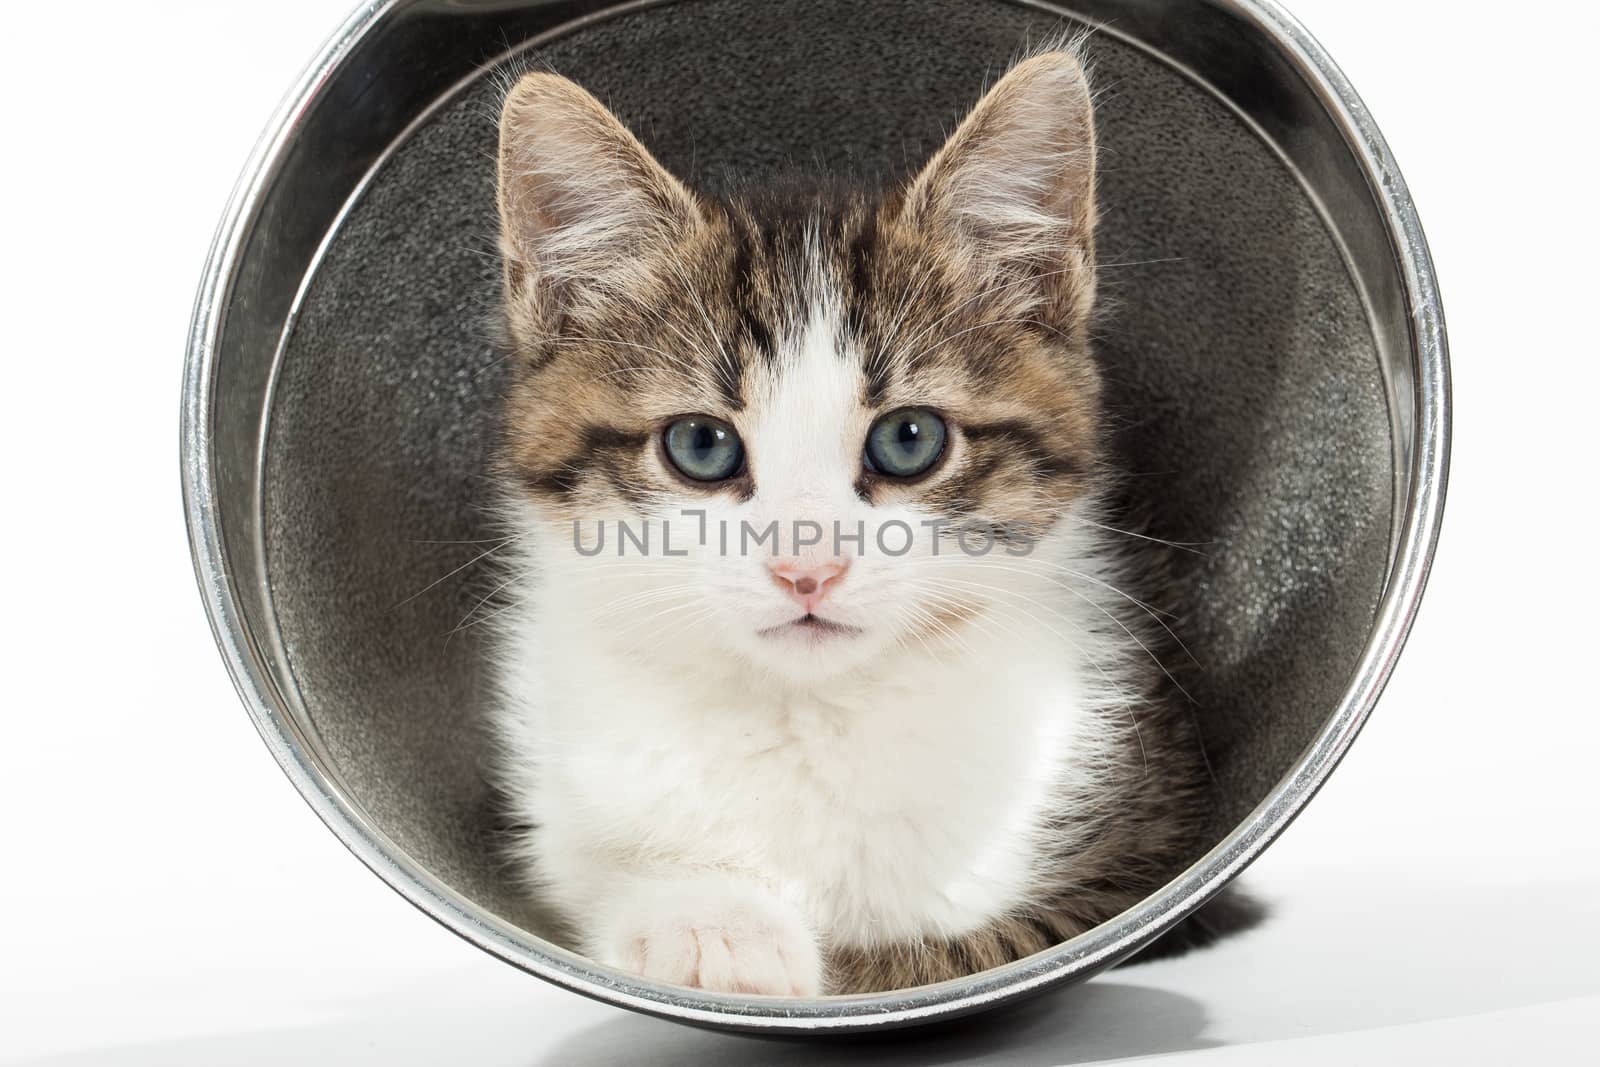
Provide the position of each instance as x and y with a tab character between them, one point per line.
1011	193
584	207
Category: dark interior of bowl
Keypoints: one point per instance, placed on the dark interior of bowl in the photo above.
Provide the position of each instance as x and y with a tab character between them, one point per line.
1246	388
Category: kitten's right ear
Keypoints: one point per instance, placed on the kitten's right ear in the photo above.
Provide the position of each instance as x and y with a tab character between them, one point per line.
583	205
1011	193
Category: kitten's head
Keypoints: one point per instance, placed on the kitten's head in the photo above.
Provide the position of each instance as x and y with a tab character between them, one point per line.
903	378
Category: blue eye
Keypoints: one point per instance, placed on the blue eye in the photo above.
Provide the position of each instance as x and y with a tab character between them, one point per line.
704	448
905	443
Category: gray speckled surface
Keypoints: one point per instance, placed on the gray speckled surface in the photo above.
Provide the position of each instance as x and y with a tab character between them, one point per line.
1244	381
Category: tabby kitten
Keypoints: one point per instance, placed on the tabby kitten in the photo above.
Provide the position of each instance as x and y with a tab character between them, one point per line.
821	763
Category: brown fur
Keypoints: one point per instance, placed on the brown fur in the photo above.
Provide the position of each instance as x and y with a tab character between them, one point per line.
706	289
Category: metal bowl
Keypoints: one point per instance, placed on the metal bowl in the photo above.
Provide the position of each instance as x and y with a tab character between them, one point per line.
1275	349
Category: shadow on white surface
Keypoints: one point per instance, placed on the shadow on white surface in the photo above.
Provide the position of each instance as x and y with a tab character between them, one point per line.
1104	1020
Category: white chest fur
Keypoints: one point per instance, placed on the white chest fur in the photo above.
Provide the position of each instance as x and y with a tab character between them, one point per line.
903	807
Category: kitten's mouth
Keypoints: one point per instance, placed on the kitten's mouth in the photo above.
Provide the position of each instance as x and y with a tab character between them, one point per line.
811	625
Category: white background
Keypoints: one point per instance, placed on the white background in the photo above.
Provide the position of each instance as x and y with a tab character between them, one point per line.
166	897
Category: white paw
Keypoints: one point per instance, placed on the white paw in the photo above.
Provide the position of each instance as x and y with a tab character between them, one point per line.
726	939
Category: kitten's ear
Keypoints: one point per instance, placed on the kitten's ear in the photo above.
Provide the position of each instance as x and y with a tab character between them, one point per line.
1011	193
583	205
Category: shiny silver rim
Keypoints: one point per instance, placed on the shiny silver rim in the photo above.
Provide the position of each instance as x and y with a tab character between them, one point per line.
1418	516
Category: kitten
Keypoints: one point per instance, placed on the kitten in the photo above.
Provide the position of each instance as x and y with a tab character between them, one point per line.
822	765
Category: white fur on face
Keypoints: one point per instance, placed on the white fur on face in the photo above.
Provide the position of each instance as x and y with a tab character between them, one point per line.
804	431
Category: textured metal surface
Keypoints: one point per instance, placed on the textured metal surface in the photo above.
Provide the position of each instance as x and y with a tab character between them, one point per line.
1274	346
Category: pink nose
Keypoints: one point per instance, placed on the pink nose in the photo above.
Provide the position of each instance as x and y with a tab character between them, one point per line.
807	582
